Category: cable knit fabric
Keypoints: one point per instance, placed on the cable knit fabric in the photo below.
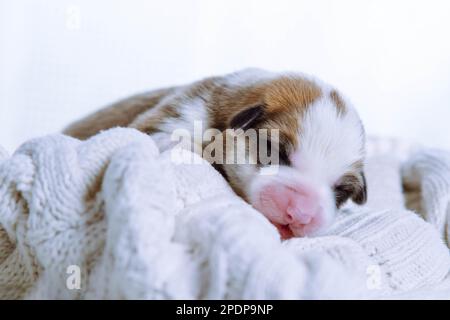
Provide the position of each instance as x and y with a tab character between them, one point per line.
137	224
427	177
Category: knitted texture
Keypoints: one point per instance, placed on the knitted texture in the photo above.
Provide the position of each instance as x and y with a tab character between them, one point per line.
427	178
138	224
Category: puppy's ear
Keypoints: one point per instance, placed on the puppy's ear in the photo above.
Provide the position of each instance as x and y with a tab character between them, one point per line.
360	194
352	186
248	117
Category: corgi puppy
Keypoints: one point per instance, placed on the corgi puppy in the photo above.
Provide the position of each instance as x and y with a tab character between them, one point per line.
320	143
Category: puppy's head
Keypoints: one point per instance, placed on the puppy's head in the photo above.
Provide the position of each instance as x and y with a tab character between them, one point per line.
320	153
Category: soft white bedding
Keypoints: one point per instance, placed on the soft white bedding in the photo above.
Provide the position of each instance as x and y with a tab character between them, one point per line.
137	224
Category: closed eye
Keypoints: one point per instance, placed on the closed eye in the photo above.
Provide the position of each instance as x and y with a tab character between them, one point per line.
283	158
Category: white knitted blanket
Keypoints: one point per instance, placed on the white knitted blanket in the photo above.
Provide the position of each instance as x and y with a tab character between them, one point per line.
112	218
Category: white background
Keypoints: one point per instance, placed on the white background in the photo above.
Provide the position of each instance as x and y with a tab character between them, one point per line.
62	59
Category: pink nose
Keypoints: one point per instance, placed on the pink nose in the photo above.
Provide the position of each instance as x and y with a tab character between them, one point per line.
302	207
295	210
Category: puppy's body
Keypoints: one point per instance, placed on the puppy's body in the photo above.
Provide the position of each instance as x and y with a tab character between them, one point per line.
321	147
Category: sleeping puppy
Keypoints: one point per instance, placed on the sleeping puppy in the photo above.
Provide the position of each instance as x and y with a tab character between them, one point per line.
320	139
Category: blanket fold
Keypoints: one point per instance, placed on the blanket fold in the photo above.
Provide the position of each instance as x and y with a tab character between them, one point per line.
427	179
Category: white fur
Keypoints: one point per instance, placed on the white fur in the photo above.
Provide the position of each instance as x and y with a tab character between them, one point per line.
191	111
330	143
193	121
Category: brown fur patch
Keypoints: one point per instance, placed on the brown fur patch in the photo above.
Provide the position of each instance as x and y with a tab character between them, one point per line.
119	114
338	101
290	94
285	100
151	120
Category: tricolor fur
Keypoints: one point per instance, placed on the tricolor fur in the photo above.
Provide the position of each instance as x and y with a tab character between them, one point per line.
321	148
